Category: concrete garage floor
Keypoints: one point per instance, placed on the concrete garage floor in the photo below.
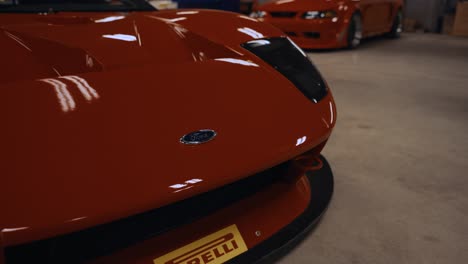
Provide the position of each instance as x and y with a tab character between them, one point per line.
399	154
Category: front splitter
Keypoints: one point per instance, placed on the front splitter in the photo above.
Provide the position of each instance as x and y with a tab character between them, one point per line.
321	187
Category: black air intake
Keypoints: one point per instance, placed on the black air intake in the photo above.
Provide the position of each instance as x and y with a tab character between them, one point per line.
283	14
287	58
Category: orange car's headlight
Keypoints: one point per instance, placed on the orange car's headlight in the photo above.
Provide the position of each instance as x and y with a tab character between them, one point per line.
258	14
319	14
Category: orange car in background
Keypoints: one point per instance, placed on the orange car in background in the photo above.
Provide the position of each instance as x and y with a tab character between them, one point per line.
323	24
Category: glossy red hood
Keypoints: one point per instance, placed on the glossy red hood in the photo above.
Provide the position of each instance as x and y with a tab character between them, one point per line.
297	5
101	141
41	46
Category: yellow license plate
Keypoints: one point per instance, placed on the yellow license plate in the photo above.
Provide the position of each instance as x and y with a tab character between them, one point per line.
216	248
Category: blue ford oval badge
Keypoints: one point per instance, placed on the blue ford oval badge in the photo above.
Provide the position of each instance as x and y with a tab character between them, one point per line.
198	137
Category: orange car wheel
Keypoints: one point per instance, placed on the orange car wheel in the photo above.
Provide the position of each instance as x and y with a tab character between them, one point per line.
354	31
397	26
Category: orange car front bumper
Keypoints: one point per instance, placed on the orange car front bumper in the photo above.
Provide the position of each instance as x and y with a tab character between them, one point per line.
313	33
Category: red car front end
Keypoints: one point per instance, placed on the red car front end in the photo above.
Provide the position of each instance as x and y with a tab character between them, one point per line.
100	110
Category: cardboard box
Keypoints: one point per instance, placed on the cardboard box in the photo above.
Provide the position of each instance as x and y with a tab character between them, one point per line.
409	25
447	27
460	27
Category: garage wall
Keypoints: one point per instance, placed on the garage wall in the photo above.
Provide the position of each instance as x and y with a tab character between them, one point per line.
426	12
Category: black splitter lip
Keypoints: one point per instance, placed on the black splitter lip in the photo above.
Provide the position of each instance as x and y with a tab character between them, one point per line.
321	186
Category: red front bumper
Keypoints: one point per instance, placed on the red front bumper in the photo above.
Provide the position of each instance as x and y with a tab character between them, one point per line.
313	33
266	220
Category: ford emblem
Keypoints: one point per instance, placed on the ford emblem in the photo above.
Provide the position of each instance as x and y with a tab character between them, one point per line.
198	137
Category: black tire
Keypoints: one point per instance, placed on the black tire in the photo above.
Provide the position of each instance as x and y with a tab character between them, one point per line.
354	31
397	26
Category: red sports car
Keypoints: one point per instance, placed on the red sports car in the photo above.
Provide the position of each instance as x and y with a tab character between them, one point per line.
323	24
131	135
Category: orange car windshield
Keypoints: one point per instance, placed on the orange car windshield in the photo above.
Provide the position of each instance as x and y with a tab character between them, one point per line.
38	6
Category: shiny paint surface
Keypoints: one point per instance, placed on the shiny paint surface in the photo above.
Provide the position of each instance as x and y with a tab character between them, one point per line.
377	18
94	104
